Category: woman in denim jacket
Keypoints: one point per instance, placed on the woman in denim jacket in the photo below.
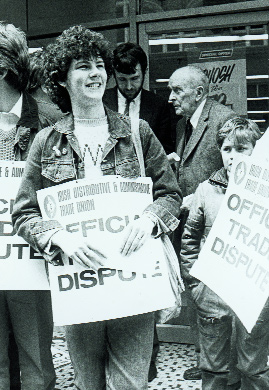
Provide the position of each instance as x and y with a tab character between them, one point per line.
88	142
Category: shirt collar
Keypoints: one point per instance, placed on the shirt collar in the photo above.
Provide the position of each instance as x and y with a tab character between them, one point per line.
197	113
123	99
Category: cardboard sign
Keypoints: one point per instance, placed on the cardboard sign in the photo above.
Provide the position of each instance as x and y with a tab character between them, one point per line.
227	81
99	211
21	268
234	261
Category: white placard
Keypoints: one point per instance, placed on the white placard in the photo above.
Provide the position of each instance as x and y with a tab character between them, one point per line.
234	261
21	268
100	210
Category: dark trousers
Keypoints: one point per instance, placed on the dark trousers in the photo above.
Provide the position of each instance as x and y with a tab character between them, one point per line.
29	315
14	365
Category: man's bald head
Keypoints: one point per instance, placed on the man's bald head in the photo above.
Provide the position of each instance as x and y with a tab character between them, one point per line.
189	86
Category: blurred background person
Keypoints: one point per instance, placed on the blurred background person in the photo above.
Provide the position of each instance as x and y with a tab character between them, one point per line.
50	112
130	98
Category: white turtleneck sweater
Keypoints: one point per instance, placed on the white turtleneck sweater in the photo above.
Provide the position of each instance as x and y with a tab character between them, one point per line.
92	135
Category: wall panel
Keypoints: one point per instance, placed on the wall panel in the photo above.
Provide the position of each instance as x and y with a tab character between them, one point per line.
14	12
48	16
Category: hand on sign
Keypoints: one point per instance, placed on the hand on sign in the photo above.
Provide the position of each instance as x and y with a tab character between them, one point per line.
78	249
136	235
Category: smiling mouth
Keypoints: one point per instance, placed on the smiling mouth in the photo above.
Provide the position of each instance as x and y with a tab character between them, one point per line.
94	85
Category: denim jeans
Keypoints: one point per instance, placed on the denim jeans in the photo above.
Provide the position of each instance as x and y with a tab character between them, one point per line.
253	352
112	355
30	316
215	357
216	331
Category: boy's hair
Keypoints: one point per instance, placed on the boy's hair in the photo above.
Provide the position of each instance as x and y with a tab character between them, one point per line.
37	70
241	129
14	56
75	42
127	55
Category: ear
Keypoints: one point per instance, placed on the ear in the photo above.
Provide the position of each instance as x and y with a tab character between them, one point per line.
3	73
199	93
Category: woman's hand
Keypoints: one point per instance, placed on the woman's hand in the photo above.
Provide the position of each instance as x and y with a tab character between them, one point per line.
136	235
78	249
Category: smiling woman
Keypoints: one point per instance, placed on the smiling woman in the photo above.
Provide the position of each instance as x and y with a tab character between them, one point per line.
85	82
89	142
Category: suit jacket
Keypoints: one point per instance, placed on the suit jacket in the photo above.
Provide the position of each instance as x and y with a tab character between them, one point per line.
201	156
153	109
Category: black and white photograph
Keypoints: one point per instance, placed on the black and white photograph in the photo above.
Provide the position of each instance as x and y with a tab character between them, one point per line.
134	195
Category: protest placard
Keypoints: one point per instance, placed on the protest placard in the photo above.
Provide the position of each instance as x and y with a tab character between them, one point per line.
21	268
234	261
227	77
100	210
261	147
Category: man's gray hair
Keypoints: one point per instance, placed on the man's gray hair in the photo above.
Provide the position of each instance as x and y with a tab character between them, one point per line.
197	77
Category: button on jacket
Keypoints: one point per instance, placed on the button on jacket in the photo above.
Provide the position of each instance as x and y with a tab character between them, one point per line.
55	158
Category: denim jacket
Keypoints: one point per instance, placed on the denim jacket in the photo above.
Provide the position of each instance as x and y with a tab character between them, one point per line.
55	158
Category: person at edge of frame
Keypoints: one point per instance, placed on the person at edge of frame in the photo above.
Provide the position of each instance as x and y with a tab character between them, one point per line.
25	316
216	320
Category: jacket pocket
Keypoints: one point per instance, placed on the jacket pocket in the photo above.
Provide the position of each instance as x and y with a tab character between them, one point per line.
128	168
58	171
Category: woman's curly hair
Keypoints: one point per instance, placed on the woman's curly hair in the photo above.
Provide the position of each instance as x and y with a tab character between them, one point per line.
75	42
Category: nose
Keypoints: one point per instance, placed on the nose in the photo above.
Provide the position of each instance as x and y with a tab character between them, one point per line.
171	97
94	71
128	84
233	154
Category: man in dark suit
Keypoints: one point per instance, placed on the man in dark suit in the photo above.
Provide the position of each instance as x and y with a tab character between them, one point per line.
201	118
129	97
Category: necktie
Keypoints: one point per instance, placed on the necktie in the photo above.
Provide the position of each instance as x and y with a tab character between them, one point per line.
127	107
188	131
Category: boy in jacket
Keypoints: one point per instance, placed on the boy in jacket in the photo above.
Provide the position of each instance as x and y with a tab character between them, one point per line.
238	135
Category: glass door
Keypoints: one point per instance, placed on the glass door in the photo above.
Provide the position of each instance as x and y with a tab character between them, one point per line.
234	57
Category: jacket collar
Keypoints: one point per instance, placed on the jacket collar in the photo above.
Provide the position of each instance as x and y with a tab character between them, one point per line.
118	124
201	126
219	178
